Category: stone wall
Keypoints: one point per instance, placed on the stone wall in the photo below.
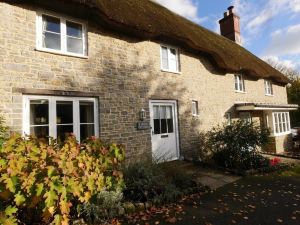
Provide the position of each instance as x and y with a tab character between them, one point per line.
124	73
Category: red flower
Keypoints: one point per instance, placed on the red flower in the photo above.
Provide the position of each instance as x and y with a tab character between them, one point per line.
275	161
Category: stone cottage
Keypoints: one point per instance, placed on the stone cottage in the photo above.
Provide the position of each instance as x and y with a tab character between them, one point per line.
131	72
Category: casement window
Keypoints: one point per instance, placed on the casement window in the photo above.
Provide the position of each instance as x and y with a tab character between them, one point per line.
246	116
195	108
169	59
281	123
51	116
268	87
239	83
61	35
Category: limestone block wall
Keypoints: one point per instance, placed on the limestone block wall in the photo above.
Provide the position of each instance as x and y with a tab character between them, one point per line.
124	74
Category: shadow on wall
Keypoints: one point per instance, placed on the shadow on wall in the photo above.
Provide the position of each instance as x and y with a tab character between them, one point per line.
126	82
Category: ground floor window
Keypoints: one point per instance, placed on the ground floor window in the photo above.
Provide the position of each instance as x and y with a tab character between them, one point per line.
53	116
246	116
281	122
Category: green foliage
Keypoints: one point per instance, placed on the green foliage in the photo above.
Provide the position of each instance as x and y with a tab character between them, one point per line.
157	183
3	131
105	205
37	175
235	146
293	92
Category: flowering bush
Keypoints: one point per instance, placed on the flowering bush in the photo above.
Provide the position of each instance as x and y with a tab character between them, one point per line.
275	161
49	179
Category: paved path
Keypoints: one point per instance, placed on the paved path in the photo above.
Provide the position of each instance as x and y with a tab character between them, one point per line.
254	200
206	176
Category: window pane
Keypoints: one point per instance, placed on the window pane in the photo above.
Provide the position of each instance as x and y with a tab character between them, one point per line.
51	24
64	112
173	60
156	123
39	112
164	53
170	125
163	126
40	131
156	112
63	131
74	45
86	112
169	117
74	29
51	41
86	130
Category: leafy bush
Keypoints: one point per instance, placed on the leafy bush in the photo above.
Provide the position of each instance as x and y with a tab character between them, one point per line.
143	182
101	207
49	179
235	146
158	183
3	131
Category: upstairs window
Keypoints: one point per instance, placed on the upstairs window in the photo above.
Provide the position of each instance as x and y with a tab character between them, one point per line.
194	108
169	59
60	35
239	83
268	87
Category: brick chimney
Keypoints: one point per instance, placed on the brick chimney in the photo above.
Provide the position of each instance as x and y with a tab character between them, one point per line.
230	26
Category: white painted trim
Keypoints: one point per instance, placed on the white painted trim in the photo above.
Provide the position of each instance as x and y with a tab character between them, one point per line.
63	19
287	125
177	59
173	102
253	108
52	113
241	80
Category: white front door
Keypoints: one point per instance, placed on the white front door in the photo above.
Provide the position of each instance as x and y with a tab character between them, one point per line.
164	130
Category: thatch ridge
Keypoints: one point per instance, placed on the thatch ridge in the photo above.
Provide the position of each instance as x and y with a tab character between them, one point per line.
149	20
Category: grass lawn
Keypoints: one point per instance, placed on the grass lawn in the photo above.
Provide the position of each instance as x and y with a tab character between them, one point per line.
254	200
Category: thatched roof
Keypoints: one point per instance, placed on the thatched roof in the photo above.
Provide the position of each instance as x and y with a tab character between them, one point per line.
148	20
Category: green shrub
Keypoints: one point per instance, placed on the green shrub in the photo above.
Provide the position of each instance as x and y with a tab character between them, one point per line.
235	146
157	183
103	206
144	181
3	131
49	179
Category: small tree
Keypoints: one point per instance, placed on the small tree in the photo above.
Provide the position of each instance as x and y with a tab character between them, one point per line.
235	146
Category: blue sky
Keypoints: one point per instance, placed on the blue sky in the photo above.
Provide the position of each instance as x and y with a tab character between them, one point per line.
269	28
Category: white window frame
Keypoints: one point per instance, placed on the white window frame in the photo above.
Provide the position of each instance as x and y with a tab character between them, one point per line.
63	20
168	52
195	109
228	117
240	81
268	88
283	127
246	116
52	113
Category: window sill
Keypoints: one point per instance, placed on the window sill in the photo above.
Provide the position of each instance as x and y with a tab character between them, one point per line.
281	134
170	71
61	53
241	92
269	95
195	115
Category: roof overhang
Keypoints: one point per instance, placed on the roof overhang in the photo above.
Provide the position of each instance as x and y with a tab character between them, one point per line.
264	107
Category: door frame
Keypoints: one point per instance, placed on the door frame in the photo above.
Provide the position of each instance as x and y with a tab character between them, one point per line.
174	102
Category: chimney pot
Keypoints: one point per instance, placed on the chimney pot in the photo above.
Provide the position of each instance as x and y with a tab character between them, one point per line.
225	14
231	9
